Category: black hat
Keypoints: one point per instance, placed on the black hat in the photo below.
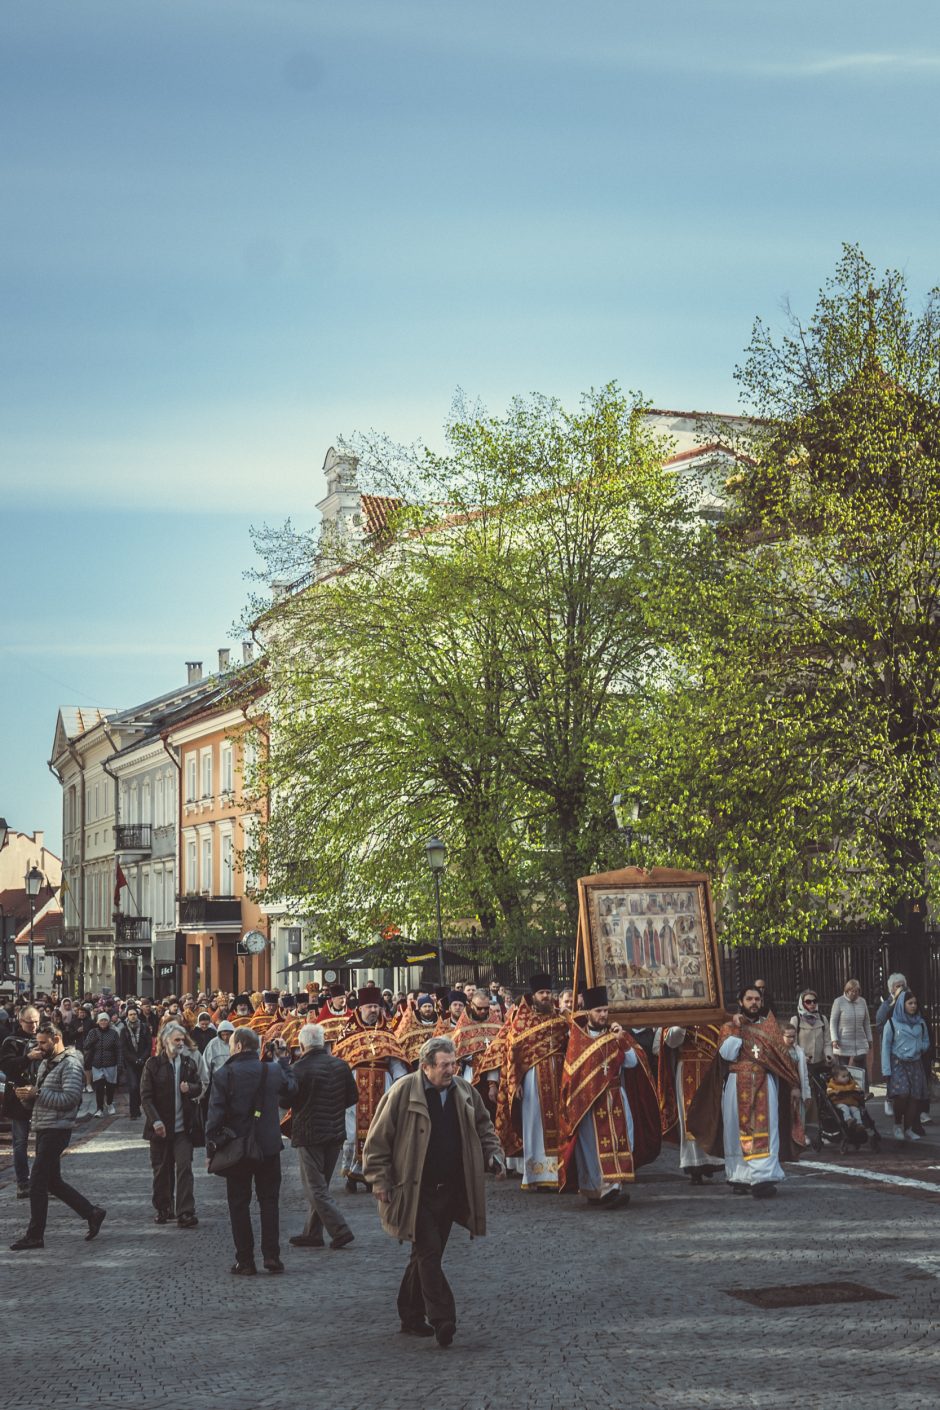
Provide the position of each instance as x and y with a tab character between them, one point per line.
596	998
288	1001
540	981
369	994
336	990
269	996
241	999
442	994
456	997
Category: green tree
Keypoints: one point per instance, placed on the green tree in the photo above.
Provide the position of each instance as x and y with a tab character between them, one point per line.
469	673
795	750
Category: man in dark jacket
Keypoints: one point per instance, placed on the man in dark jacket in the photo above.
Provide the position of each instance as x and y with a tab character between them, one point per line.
168	1090
19	1071
241	1088
136	1046
325	1088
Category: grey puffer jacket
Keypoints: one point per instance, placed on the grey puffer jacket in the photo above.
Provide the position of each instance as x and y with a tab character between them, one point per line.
61	1080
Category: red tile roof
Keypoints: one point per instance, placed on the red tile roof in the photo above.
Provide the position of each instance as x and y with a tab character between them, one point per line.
376	510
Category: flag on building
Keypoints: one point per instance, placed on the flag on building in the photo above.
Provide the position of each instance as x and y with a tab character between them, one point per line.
120	880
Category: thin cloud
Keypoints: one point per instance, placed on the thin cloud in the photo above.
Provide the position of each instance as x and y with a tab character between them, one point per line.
869	63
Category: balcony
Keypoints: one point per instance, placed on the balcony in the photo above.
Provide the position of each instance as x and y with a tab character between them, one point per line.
71	937
131	930
217	913
132	837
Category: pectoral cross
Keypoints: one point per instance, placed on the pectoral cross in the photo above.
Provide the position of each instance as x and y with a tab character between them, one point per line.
755	1050
605	1067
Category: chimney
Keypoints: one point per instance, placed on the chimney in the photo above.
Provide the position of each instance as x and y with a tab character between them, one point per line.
193	672
39	838
225	658
248	651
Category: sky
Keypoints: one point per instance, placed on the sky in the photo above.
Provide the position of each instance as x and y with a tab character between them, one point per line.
234	231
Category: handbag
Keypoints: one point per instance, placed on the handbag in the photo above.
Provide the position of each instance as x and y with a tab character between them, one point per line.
240	1150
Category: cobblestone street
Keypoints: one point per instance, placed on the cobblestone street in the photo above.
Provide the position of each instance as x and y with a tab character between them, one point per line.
557	1306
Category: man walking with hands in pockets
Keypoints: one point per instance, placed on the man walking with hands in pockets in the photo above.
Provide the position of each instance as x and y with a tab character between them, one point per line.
424	1159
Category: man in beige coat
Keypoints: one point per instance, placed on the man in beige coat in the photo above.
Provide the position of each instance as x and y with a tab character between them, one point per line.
425	1155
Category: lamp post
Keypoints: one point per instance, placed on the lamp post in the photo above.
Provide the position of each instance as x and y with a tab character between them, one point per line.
627	813
34	880
437	860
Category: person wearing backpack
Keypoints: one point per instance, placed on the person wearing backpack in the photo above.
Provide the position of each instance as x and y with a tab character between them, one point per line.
247	1094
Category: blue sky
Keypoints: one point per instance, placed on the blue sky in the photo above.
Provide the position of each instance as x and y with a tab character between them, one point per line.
234	230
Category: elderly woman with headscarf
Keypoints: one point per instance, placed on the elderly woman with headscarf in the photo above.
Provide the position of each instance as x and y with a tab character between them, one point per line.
905	1040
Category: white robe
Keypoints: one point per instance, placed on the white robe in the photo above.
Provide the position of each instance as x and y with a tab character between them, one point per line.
537	1167
739	1171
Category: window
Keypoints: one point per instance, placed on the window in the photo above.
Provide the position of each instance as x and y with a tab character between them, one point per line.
192	880
249	836
96	813
207	773
206	858
133	810
190	778
159	814
227	864
145	892
124	802
226	768
170	797
146	815
157	896
169	900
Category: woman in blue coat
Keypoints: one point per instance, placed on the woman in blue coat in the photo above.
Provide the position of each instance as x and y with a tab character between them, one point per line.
903	1044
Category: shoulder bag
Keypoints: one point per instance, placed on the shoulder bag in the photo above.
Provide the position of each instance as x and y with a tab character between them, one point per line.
240	1150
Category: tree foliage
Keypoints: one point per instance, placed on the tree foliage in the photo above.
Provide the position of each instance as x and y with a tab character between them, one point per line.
794	753
471	672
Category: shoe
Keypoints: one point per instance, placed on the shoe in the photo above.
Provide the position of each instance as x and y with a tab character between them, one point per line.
244	1270
610	1200
26	1242
274	1265
307	1241
899	1133
914	1136
708	1172
351	1185
99	1112
95	1221
187	1221
444	1331
736	1188
925	1119
111	1111
22	1192
342	1240
416	1329
764	1189
695	1178
162	1216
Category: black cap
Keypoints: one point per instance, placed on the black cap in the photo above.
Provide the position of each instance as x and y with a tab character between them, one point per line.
540	981
596	998
456	997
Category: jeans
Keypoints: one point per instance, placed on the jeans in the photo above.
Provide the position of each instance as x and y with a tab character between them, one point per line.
20	1131
171	1159
424	1291
317	1164
104	1092
267	1185
47	1180
133	1088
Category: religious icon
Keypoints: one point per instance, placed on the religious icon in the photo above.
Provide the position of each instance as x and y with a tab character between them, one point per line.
650	937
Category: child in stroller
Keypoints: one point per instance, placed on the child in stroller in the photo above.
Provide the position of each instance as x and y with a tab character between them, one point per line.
842	1112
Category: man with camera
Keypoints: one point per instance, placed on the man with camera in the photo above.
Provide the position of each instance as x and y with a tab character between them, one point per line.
54	1100
18	1071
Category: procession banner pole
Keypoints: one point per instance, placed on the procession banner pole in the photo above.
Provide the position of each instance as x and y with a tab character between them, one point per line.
577	956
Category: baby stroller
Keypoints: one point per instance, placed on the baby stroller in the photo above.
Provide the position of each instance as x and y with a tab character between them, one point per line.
833	1127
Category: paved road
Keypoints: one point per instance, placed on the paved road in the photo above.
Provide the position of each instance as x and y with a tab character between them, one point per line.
558	1306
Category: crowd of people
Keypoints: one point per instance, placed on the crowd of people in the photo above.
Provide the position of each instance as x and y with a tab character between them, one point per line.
550	1090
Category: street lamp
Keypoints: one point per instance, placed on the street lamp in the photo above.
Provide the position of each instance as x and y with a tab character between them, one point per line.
436	854
627	814
34	880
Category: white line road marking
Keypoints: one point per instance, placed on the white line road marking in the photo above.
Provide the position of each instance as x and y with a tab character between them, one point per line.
878	1175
